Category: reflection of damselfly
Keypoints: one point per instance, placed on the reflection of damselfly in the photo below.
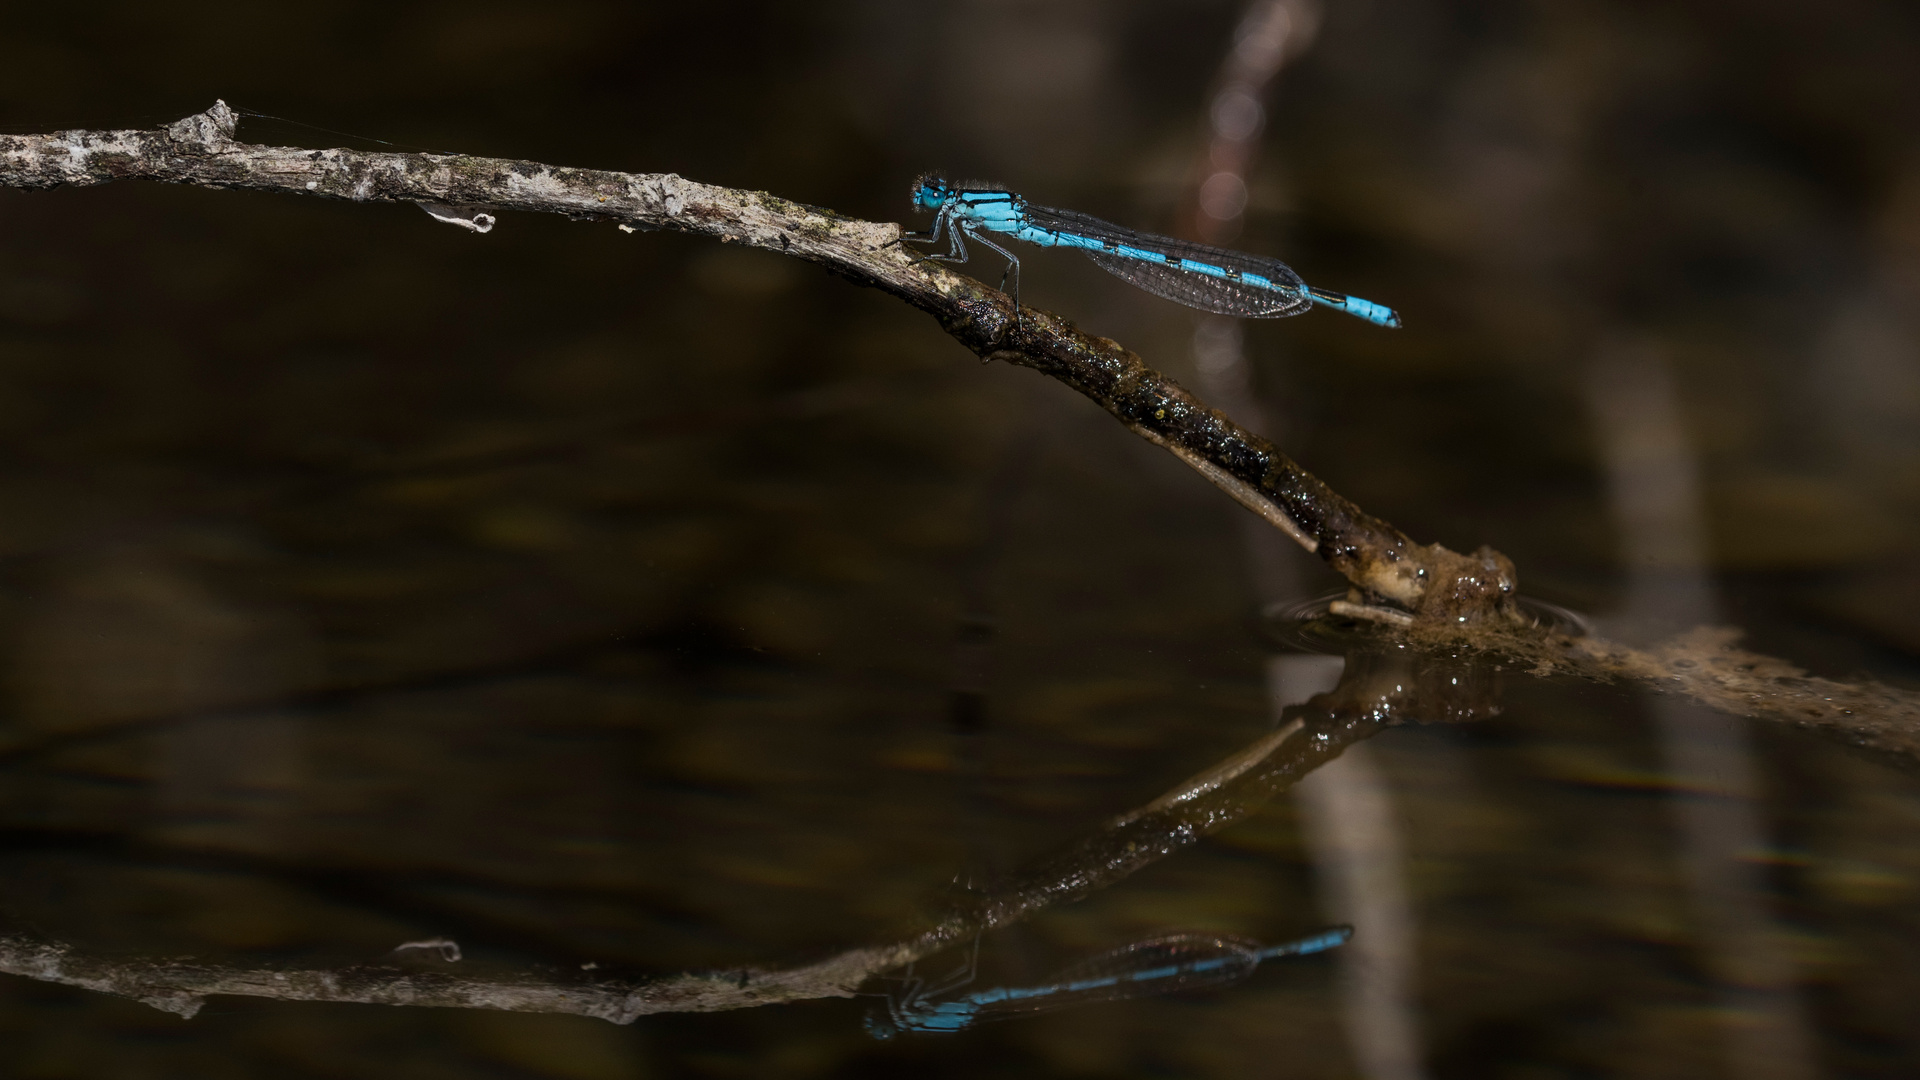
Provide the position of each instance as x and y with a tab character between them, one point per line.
1209	278
1160	966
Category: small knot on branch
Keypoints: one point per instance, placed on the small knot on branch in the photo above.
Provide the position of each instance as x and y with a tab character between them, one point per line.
213	128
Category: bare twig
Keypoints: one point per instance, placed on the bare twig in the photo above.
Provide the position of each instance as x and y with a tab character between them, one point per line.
1383	562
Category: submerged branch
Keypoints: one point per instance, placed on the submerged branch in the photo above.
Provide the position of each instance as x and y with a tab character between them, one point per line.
1377	558
1707	665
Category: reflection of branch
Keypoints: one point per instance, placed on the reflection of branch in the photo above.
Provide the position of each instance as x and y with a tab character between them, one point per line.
1377	690
201	150
180	986
1198	807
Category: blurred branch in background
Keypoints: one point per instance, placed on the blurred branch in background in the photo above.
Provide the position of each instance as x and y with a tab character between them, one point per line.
1653	482
1347	811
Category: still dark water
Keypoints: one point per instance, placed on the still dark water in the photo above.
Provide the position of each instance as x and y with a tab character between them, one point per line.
636	601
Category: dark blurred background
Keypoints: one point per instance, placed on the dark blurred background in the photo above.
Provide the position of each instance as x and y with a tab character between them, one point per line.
632	599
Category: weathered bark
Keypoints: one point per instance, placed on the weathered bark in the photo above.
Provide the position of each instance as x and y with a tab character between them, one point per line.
1430	581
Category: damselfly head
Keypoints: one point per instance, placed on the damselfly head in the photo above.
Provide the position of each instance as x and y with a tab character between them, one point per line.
930	191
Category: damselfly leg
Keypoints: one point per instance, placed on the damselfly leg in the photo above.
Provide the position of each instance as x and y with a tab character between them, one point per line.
1013	268
956	252
931	236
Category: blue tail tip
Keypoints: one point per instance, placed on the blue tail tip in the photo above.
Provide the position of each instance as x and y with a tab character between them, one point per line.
1377	314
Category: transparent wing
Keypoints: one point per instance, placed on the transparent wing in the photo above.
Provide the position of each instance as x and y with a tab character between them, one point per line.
1166	965
1202	291
1220	295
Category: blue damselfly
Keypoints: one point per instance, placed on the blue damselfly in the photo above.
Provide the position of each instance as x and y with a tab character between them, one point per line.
1209	278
